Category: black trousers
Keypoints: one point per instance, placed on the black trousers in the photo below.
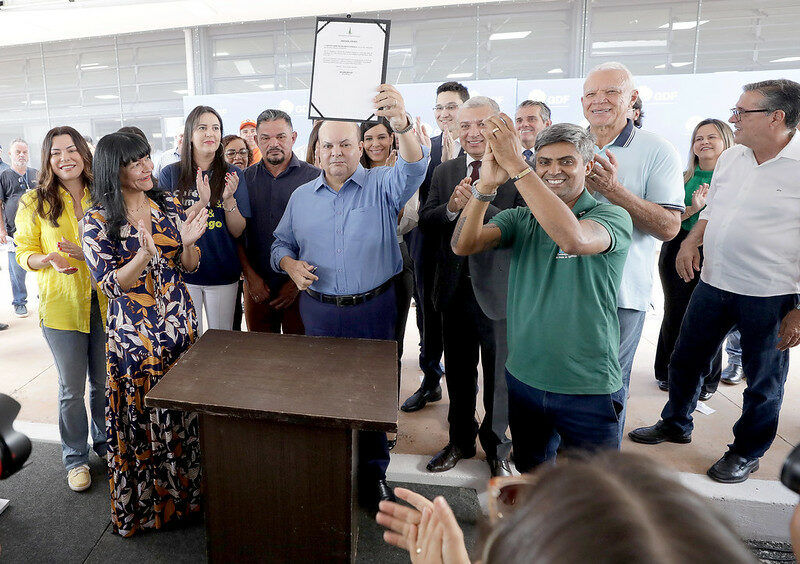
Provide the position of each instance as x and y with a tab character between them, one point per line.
676	300
468	334
429	321
403	289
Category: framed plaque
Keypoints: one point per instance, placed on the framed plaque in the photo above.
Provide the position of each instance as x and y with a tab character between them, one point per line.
349	64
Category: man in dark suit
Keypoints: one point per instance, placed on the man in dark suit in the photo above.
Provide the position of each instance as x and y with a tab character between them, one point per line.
470	295
444	147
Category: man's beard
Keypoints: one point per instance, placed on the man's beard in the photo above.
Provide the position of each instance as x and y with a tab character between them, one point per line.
276	160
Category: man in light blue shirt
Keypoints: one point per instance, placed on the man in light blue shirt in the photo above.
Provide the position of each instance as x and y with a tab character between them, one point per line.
337	241
641	172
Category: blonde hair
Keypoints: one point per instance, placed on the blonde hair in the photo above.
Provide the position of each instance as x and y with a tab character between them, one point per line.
727	138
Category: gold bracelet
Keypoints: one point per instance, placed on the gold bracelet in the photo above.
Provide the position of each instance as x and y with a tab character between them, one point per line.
521	174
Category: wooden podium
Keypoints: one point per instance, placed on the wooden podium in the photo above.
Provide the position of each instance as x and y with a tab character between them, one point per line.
278	421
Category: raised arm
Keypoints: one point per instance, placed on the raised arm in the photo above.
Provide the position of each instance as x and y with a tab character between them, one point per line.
573	236
389	103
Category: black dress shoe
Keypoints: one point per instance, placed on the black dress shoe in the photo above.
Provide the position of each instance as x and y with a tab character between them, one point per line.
705	396
663	385
658	433
446	458
385	493
499	467
732	375
732	468
420	398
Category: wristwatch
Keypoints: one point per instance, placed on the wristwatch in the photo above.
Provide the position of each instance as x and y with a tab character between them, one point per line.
406	129
482	197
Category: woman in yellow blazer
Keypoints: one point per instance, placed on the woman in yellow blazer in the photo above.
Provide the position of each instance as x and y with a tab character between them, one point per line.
71	311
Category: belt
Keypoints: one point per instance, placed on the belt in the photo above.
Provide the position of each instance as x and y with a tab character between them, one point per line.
350	299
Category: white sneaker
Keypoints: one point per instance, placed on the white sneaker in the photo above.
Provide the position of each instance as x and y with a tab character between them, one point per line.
79	478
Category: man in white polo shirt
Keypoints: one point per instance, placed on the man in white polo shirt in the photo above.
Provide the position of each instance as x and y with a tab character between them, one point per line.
750	279
640	172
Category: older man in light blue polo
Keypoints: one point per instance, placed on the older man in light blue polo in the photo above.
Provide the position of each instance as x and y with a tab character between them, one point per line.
640	172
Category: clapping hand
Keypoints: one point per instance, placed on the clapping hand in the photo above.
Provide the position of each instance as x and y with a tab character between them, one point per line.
71	249
603	176
391	160
448	146
492	174
460	196
60	263
506	148
203	187
146	243
422	134
194	227
699	197
428	531
231	184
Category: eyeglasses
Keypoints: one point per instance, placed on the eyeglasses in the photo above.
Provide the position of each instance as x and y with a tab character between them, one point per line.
505	492
737	113
233	153
448	107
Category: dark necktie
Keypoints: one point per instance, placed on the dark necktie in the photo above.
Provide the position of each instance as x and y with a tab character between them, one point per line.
476	171
528	154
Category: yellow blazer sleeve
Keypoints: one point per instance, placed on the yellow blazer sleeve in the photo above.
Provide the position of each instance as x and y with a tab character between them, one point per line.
28	236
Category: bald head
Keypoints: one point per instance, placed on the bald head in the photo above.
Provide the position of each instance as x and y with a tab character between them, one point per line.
339	150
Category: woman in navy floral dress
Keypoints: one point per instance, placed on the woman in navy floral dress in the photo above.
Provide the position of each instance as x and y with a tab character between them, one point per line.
138	242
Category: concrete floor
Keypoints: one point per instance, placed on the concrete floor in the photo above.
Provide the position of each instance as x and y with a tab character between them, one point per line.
27	373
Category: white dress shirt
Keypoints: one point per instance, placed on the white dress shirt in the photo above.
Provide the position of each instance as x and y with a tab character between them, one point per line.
752	241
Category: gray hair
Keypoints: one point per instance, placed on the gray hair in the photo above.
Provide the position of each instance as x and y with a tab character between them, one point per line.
544	109
481	102
582	139
615	66
18	140
274	115
780	94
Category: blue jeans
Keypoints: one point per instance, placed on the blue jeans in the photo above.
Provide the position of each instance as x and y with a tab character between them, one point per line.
19	293
542	421
734	348
75	354
374	319
711	314
631	323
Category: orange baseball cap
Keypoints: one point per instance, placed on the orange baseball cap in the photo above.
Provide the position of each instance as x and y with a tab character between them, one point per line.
246	123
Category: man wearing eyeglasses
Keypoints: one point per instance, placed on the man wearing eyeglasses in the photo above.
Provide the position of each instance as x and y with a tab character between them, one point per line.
750	277
270	298
423	246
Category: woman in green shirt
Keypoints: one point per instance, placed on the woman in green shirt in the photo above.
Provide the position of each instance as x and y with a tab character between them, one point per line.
709	139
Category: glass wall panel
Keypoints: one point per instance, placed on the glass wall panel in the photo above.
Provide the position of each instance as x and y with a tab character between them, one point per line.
748	36
96	84
650	37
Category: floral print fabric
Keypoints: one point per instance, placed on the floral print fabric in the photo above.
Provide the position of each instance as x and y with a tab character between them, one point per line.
154	454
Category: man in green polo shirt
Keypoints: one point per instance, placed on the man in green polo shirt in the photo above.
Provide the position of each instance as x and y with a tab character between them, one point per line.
568	253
